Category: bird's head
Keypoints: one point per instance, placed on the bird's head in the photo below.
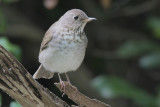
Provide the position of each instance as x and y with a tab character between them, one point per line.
76	19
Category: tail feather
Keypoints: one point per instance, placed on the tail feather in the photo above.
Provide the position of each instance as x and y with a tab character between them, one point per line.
42	73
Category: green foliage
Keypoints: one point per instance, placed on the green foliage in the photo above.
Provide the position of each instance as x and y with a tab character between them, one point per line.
134	48
115	87
2	22
0	100
158	98
14	104
9	1
14	49
154	24
150	61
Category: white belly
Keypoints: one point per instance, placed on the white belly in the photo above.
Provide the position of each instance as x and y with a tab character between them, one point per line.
62	60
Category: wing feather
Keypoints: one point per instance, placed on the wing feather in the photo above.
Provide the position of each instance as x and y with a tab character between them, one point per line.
47	37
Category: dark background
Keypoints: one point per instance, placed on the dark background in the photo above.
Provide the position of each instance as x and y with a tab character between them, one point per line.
122	63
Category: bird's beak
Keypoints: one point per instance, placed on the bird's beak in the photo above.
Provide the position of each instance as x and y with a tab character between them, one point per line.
89	19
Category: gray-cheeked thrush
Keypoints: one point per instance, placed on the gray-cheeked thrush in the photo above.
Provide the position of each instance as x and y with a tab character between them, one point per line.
64	45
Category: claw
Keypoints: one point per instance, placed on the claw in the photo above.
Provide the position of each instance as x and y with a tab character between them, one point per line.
62	86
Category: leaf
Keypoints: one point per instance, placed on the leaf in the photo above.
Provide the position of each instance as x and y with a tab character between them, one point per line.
134	48
150	61
2	21
14	49
9	1
154	24
158	98
0	100
113	87
14	104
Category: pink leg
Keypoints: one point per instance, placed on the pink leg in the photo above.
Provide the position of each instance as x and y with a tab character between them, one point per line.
62	83
68	78
70	82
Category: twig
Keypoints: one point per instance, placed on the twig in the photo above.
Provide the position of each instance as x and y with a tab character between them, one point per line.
79	98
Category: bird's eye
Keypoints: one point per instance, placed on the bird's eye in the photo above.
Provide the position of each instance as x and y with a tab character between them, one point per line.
75	17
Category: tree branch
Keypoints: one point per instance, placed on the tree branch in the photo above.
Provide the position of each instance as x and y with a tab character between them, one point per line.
19	84
79	98
16	81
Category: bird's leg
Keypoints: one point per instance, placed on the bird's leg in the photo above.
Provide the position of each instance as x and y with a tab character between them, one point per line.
70	82
68	79
62	83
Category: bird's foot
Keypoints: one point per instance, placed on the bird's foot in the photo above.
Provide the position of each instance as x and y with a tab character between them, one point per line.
62	86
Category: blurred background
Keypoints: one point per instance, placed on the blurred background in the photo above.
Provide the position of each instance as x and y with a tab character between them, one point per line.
122	63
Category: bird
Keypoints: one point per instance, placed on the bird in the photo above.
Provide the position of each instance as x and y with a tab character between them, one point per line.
64	45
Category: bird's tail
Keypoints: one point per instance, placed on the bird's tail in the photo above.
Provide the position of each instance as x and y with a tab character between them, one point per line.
42	73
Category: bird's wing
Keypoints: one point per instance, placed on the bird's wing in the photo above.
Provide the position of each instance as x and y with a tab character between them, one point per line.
48	37
41	72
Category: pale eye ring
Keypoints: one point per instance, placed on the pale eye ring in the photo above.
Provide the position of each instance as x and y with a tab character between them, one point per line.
76	17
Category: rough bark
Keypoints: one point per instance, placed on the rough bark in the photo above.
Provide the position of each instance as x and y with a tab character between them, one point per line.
16	81
79	98
19	84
